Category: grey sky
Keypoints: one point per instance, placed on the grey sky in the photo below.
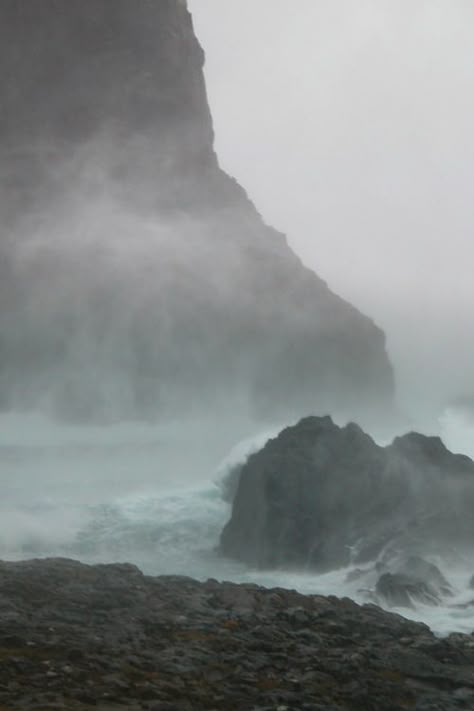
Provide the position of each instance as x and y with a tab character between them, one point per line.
351	125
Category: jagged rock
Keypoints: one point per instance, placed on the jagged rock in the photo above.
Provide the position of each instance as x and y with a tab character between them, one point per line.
419	569
107	637
400	590
136	277
324	496
402	582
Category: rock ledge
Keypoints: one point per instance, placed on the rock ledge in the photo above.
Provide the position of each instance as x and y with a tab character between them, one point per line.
74	636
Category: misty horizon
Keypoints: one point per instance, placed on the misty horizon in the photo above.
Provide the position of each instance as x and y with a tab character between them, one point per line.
350	127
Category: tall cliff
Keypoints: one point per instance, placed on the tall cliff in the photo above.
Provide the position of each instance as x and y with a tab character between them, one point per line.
136	276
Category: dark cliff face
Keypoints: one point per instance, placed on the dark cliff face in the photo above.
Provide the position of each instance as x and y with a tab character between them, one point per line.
320	496
124	78
137	277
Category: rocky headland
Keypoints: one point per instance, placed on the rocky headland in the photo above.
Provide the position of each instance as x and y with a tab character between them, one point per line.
106	637
320	496
137	279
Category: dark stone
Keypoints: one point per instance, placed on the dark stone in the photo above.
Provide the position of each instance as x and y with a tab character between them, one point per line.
398	590
12	641
402	581
323	496
106	140
418	569
286	650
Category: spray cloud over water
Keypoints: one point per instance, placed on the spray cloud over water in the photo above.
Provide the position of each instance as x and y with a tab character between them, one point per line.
369	107
145	305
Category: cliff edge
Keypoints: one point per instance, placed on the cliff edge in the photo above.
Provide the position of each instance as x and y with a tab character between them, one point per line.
137	278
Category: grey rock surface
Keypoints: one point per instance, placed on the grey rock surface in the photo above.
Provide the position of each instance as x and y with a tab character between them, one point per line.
409	581
323	496
399	590
107	637
137	277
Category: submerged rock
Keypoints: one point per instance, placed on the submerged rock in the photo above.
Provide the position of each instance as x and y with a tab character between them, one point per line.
417	568
323	496
107	637
402	582
410	581
400	590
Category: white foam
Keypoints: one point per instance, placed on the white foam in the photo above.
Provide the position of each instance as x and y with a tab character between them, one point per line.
121	492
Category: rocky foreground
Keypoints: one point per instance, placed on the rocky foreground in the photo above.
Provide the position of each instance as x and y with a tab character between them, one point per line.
108	637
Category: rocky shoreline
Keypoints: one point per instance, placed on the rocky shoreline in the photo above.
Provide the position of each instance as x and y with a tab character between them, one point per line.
74	636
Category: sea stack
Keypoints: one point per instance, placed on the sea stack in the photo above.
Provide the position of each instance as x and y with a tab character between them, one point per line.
321	497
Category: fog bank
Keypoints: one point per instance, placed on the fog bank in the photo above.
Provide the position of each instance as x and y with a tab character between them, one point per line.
351	126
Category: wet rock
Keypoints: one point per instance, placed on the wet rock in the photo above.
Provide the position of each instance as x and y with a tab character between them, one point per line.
321	496
398	590
409	581
230	647
224	312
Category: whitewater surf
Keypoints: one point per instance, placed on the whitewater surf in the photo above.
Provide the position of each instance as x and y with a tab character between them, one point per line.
152	495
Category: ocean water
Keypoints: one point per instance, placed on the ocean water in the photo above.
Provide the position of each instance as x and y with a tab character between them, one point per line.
152	495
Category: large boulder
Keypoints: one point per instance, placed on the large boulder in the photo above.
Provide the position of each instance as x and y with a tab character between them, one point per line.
415	580
137	277
398	590
323	496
